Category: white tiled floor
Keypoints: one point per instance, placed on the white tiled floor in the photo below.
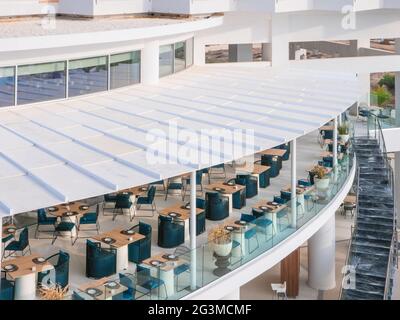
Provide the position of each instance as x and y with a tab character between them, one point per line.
308	154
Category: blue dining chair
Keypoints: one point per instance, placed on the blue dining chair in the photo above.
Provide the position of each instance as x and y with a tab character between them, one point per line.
220	167
7	287
304	183
261	221
248	236
147	200
65	226
123	202
109	199
148	282
183	253
90	218
18	245
100	262
238	197
250	182
7	239
141	250
217	206
171	232
173	185
158	183
279	200
127	281
273	163
327	162
247	217
60	261
44	220
327	134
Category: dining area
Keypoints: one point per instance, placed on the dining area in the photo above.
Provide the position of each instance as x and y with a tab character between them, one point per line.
137	243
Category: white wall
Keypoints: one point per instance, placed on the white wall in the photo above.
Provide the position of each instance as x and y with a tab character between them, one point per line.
392	139
21	7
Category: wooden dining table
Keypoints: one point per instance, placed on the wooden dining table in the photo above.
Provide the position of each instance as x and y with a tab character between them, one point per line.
120	243
238	234
330	154
25	275
226	190
256	170
273	152
271	212
107	293
327	128
166	270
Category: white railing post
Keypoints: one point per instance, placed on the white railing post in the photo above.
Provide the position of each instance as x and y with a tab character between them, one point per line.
293	151
193	231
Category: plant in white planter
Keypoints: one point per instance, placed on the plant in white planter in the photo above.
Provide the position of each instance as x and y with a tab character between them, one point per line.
343	131
220	241
321	180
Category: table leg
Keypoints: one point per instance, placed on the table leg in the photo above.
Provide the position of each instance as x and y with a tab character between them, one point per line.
25	287
122	258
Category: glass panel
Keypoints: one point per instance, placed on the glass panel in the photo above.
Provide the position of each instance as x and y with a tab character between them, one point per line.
125	69
7	86
41	82
180	56
166	60
87	76
189	52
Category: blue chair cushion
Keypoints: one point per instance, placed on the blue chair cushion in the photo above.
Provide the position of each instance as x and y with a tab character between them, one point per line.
235	244
88	218
247	217
281	214
250	234
65	226
175	185
143	200
181	269
13	246
152	283
263	223
7	238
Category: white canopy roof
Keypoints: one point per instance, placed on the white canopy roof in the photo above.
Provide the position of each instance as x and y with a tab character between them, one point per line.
83	147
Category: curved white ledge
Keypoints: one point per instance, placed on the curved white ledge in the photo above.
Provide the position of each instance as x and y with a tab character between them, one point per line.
392	141
240	276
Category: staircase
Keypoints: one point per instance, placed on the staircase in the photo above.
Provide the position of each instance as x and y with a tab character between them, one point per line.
372	249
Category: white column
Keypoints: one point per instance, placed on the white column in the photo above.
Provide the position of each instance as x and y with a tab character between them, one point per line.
280	33
397	86
321	257
199	57
365	84
241	52
150	67
234	295
193	231
293	155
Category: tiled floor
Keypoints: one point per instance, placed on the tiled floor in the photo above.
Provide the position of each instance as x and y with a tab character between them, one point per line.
308	154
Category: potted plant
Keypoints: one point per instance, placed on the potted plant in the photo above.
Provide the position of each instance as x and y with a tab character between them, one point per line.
220	240
382	97
343	131
321	180
54	292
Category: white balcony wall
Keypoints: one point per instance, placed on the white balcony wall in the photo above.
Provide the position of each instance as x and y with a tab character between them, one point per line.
361	5
10	8
303	5
106	7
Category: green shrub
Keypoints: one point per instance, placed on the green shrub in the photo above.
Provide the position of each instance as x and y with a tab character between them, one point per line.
388	80
382	96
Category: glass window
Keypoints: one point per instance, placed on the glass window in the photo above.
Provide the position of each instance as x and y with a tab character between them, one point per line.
125	69
87	76
41	82
189	52
166	60
180	56
7	86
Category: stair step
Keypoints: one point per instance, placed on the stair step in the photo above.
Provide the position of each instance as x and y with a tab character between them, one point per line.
354	294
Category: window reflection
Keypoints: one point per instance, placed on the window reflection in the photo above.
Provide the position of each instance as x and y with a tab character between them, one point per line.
87	76
125	69
41	82
166	60
7	86
180	56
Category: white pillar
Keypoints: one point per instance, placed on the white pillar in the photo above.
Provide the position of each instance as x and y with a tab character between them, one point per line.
365	85
193	263
280	39
321	257
150	65
241	52
234	295
293	155
335	143
266	52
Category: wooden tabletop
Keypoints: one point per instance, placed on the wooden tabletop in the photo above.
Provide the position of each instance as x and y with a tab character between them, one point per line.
233	223
256	168
273	209
327	169
25	265
120	239
179	208
330	141
327	128
227	189
273	152
330	154
100	285
169	264
5	233
63	209
136	191
350	199
299	189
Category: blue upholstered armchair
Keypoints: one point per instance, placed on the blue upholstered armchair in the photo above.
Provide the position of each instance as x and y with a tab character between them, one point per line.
217	206
171	233
239	197
6	288
90	218
148	200
123	202
44	220
250	182
100	262
60	261
141	250
273	163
